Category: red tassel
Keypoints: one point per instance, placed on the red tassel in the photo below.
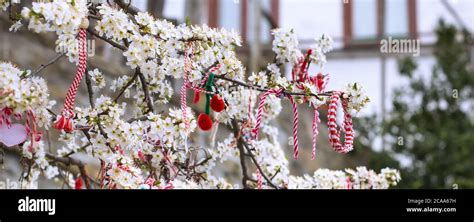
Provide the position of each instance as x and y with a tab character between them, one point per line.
68	126
217	103
141	156
204	122
38	136
197	96
64	123
59	124
320	81
304	66
78	185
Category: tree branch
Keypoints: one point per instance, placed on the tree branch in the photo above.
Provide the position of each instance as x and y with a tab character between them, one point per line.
67	161
71	161
132	10
116	45
127	7
261	89
243	165
90	91
252	156
148	100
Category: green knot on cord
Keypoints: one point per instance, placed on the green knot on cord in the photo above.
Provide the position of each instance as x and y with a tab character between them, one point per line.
209	85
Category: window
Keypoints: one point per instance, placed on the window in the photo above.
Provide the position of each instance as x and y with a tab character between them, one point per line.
231	15
237	14
364	20
396	18
266	26
363	26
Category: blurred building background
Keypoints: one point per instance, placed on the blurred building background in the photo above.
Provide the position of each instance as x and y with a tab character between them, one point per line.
357	27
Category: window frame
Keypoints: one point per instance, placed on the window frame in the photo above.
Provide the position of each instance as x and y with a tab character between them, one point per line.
350	42
214	15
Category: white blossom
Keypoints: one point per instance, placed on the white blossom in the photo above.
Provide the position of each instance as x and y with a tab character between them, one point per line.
259	79
285	46
357	97
97	78
138	146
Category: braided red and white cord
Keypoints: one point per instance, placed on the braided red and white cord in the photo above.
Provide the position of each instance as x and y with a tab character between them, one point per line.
184	87
334	134
261	105
259	180
316	121
64	121
295	127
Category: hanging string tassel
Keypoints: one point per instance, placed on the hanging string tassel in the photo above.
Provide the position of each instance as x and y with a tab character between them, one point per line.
197	96
295	127
186	83
320	81
64	121
204	120
197	92
263	98
334	135
259	180
261	105
299	73
316	121
184	107
304	67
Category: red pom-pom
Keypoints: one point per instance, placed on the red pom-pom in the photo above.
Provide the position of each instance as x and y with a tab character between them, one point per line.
78	183
217	103
204	122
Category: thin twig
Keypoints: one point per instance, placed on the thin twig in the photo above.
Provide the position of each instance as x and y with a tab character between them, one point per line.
148	100
127	7
116	45
43	66
90	90
71	161
269	181
261	89
276	173
80	148
143	118
129	83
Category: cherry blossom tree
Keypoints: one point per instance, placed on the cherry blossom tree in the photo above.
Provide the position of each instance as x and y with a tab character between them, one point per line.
157	150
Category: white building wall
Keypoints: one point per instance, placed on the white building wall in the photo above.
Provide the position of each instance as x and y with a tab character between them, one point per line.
311	18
